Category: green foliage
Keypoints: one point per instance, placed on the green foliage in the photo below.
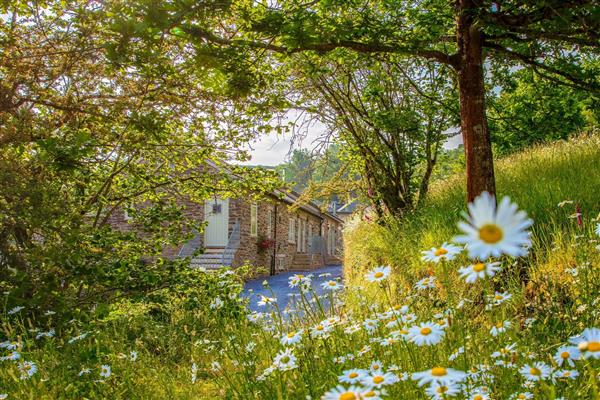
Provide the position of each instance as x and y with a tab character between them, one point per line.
530	110
83	140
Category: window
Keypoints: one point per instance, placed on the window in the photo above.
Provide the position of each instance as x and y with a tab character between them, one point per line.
254	219
270	224
292	230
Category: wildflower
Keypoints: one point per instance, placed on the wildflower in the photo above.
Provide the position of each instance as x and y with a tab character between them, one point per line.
439	375
264	300
84	371
105	371
566	354
505	351
216	303
331	285
352	376
194	373
440	391
521	396
499	298
479	271
536	372
77	338
285	360
350	329
426	283
133	355
370	325
376	366
588	343
500	327
49	313
291	338
445	252
598	229
27	369
47	334
455	355
426	334
13	356
297	280
378	274
341	393
379	379
15	310
215	366
3	396
493	231
322	329
478	394
566	374
254	317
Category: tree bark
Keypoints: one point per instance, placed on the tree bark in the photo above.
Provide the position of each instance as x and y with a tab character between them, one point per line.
474	127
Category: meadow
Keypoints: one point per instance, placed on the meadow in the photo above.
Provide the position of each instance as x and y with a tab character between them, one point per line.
510	310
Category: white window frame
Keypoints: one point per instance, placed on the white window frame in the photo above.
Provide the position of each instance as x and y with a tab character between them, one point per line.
253	219
292	230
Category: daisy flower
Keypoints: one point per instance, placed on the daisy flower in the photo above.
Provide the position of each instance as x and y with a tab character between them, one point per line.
194	373
331	285
598	229
536	372
440	391
379	274
216	303
426	283
321	330
566	374
352	376
341	393
588	343
479	271
27	369
478	394
10	345
499	298
521	396
285	360
500	327
13	356
370	325
105	371
376	366
491	231
291	338
426	334
264	300
15	310
566	354
438	375
445	252
379	379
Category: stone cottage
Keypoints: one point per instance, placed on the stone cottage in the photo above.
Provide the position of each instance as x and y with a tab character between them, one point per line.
266	233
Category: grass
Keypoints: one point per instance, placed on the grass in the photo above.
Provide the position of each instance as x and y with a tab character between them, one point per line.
554	295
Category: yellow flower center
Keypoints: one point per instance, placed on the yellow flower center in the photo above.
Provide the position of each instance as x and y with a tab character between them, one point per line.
285	359
535	371
564	355
375	367
352	375
425	331
593	346
320	327
478	267
490	233
378	274
348	396
440	252
498	297
439	371
567	373
378	379
442	389
332	283
370	393
499	325
478	397
521	396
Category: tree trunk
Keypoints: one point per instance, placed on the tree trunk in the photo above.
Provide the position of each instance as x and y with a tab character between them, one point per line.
474	127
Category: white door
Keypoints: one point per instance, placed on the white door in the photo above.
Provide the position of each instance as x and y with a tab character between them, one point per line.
216	214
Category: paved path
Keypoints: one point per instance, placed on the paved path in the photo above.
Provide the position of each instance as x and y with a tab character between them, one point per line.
280	285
